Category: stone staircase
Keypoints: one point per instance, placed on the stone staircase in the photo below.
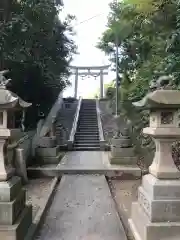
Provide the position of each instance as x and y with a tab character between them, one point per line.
87	134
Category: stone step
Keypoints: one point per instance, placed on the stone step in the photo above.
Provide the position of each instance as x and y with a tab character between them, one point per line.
87	137
88	121
86	148
81	136
88	124
88	117
84	144
87	143
88	127
86	132
88	109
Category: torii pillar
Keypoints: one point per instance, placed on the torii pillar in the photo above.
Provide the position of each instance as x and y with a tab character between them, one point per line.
76	83
101	85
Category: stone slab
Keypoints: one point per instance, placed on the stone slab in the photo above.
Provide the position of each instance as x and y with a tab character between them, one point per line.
92	162
161	189
123	160
159	210
143	229
9	211
19	230
82	159
82	209
122	152
50	160
9	189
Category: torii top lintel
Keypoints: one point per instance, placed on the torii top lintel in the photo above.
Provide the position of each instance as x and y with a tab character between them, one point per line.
90	67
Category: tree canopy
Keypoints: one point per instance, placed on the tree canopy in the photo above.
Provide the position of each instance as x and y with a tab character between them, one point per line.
36	47
147	34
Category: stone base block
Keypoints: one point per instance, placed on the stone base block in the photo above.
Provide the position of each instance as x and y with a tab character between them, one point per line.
143	229
19	230
123	160
47	152
9	211
121	142
161	189
122	152
47	142
159	210
10	189
50	160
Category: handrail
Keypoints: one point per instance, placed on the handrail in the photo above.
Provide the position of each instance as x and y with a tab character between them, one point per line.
51	116
101	132
75	122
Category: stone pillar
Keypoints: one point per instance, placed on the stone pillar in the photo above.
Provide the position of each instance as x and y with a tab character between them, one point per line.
156	214
76	83
101	85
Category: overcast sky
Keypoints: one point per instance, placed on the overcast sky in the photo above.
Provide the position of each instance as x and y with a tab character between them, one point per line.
87	35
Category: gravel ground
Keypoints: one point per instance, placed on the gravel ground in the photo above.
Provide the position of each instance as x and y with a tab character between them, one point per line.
124	193
37	191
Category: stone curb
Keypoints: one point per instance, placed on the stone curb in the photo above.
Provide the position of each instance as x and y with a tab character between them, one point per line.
39	217
111	188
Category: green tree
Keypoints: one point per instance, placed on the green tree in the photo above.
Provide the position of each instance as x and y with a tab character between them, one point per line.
37	48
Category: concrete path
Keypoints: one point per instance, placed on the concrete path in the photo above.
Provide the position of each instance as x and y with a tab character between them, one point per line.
82	209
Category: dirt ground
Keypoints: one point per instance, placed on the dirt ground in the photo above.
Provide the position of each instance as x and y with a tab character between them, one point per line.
124	193
37	192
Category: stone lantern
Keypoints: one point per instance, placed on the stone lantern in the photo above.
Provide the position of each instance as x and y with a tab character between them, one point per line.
15	216
156	215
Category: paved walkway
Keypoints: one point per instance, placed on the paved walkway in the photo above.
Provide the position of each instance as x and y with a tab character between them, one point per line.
83	208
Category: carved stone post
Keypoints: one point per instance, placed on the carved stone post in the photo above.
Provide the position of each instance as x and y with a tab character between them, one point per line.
156	214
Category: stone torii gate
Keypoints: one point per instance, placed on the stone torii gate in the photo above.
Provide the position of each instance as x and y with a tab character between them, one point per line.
95	71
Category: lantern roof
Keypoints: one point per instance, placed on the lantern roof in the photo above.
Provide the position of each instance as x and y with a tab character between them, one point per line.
160	99
8	99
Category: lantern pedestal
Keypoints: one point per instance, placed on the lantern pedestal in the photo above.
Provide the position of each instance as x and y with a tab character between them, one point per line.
156	215
15	216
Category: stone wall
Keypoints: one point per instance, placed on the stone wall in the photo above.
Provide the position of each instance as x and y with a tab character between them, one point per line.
144	147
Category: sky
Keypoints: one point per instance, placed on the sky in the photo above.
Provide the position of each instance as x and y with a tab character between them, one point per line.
86	38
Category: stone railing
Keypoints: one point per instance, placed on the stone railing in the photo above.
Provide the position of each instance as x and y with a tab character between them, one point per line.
48	126
74	127
101	132
45	133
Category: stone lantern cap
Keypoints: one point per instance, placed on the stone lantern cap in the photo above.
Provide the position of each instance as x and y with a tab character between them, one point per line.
160	99
9	100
